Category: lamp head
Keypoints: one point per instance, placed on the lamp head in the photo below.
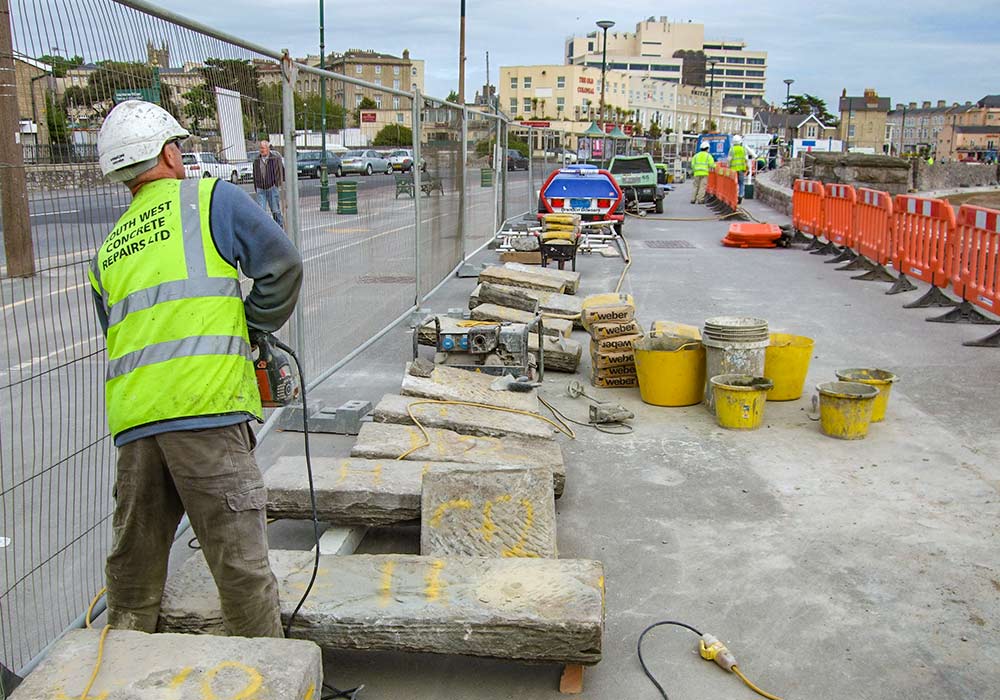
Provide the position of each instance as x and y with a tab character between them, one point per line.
605	24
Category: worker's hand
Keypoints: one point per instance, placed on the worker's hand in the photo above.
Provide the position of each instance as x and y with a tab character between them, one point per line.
255	335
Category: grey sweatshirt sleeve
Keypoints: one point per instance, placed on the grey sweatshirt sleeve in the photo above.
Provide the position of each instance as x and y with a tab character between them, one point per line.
246	235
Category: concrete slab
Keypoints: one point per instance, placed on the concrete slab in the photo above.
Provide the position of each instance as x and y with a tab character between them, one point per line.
179	666
509	513
550	326
521	278
353	491
387	441
451	384
467	420
570	278
526	609
548	302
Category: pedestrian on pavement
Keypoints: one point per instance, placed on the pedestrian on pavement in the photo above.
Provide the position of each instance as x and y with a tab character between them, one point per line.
268	177
180	387
930	160
738	164
772	153
701	165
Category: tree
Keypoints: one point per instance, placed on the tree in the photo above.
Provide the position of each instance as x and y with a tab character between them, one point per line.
199	105
366	103
810	104
113	76
452	96
654	131
637	129
61	64
393	135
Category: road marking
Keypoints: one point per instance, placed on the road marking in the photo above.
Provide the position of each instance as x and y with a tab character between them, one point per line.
366	240
14	304
33	360
53	213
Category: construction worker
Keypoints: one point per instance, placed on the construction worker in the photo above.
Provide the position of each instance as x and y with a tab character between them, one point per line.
180	388
701	165
738	164
930	160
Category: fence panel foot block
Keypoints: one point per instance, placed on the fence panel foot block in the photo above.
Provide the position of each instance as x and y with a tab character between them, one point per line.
387	441
508	513
571	681
467	420
140	665
352	491
545	610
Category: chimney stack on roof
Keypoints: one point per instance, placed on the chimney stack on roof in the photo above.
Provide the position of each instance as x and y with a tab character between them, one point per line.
913	105
941	103
927	104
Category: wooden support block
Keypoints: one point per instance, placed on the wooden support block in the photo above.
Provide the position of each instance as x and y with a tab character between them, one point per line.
570	278
540	610
467	420
550	326
450	384
532	279
571	681
482	513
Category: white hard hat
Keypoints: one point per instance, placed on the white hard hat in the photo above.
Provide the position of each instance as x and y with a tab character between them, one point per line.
737	139
704	146
132	136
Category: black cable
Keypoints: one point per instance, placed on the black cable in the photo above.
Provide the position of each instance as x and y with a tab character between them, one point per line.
312	489
638	649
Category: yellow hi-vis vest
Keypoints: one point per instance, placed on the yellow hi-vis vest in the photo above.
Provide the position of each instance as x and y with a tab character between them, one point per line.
738	158
177	333
702	164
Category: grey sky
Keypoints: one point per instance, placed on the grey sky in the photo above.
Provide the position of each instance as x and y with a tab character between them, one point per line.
909	50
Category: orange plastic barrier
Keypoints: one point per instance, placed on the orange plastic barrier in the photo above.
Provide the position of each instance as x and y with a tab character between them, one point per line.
839	215
976	276
923	230
807	206
711	186
874	225
727	188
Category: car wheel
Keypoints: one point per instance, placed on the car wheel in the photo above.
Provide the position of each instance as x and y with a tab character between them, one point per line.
234	178
388	169
340	172
659	206
368	169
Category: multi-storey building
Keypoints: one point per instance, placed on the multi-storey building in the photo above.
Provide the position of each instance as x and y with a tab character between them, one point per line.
675	52
562	92
913	129
971	132
863	121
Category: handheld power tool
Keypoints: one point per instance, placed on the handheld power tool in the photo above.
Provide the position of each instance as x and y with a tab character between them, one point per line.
273	368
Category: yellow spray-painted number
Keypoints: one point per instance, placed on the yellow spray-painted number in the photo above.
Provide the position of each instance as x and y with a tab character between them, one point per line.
345	470
385	587
454	504
254	681
432	580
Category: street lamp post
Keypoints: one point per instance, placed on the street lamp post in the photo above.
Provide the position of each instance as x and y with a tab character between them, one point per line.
711	92
604	24
788	92
324	182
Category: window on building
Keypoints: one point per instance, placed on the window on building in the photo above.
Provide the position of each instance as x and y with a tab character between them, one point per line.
378	70
811	131
756	61
560	104
526	105
395	103
400	118
527	81
378	102
357	99
735	59
359	69
590	46
560	81
395	70
888	132
755	74
513	105
413	86
378	81
850	131
733	84
395	84
732	71
513	83
754	86
413	71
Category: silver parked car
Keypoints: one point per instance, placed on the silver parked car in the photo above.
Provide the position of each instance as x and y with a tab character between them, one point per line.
364	162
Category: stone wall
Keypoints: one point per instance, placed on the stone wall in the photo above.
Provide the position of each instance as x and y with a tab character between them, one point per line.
70	176
892	175
769	188
946	176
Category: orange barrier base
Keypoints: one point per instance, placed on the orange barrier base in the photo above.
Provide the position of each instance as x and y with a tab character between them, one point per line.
746	235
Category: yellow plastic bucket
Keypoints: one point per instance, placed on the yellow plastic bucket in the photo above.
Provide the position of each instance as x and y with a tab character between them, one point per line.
786	363
880	379
739	400
671	371
845	409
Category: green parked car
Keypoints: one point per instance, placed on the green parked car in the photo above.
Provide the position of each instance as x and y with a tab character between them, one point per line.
636	175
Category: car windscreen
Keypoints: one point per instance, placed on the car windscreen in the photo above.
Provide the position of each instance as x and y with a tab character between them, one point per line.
311	155
354	154
631	165
188	160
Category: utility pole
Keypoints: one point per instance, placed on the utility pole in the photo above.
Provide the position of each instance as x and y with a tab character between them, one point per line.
711	92
17	241
324	180
604	24
461	59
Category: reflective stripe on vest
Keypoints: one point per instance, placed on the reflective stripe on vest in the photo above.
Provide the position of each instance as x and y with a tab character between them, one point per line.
738	158
177	335
701	163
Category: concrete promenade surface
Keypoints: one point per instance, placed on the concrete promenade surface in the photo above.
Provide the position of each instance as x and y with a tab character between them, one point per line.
831	569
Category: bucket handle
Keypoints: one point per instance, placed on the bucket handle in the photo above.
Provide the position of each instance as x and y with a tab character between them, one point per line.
688	344
812	413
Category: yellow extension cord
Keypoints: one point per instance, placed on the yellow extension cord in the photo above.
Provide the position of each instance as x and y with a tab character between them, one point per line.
100	643
564	429
762	693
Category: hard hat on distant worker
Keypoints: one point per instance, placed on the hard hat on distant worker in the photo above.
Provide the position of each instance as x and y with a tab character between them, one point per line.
737	139
704	146
132	136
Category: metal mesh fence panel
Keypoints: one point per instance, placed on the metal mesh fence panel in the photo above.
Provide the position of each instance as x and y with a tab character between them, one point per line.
482	179
68	64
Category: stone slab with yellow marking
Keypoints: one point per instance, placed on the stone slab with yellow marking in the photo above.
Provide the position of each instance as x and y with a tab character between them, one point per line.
388	441
568	277
468	420
481	513
352	491
177	666
543	610
520	278
548	302
452	384
557	327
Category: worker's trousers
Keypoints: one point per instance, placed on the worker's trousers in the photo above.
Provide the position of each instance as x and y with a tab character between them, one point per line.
700	184
212	475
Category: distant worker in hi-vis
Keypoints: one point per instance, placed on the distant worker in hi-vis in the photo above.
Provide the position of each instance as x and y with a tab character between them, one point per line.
701	165
738	163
